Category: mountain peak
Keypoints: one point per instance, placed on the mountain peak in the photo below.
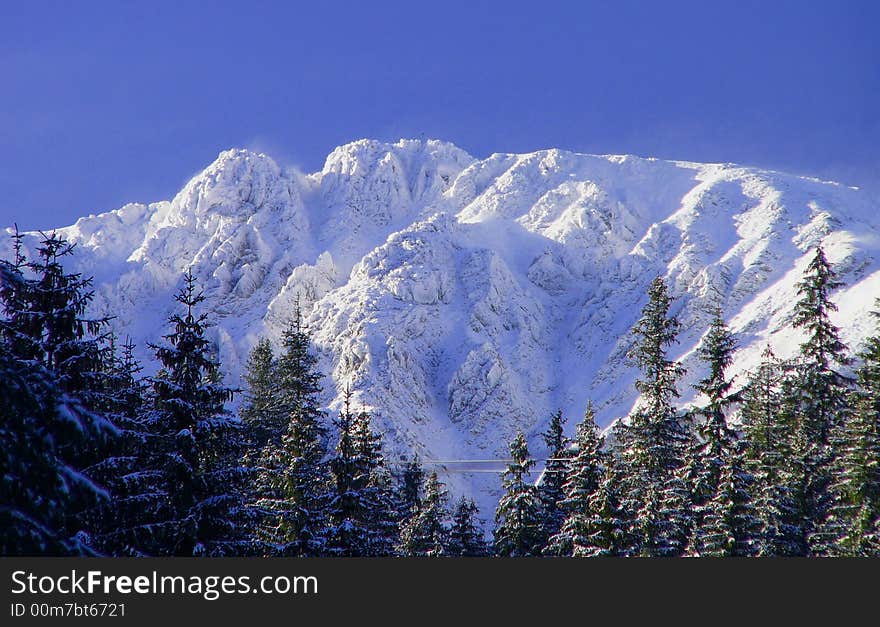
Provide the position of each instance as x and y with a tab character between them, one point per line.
463	299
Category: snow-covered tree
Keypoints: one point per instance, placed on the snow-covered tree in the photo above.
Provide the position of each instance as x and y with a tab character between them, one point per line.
582	480
818	397
425	534
194	442
52	427
717	439
361	516
550	489
855	513
466	538
518	529
730	526
767	440
289	487
654	442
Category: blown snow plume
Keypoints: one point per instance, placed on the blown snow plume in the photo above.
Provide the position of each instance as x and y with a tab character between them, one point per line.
465	299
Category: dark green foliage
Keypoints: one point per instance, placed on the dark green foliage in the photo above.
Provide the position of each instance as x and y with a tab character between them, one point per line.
194	444
817	399
52	428
550	488
854	523
518	519
425	533
408	493
466	537
289	493
592	524
261	414
730	527
360	510
767	438
654	443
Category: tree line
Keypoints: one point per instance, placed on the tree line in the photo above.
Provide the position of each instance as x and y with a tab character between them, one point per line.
100	460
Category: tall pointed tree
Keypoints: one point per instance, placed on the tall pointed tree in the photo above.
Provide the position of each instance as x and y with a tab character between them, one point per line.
518	529
360	512
197	443
654	443
818	398
581	484
425	534
290	478
466	538
409	480
550	489
768	447
855	514
53	429
261	414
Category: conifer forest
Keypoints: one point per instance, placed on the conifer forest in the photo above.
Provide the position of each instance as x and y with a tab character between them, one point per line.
100	459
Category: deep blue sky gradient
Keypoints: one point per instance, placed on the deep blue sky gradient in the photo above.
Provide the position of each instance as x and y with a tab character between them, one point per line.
102	103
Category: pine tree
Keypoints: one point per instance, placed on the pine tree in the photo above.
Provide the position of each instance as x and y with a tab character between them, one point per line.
730	525
261	413
122	524
767	440
52	427
290	477
818	399
550	488
409	489
581	484
718	439
605	532
518	530
712	440
654	443
855	515
425	534
194	442
466	537
361	509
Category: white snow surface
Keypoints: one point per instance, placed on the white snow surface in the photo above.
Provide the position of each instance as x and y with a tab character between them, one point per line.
464	299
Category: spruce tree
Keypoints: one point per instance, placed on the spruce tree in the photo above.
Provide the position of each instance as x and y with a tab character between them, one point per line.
730	526
818	398
425	534
261	414
122	523
712	440
289	486
360	511
194	442
409	481
855	514
550	488
466	537
717	438
53	429
581	484
605	531
654	443
767	440
518	528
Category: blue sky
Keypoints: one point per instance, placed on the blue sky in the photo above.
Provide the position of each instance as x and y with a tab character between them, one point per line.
105	103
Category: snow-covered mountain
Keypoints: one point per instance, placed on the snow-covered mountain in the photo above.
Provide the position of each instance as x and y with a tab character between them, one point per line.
463	299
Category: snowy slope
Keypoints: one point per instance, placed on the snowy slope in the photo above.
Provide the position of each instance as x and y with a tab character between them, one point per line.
464	299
